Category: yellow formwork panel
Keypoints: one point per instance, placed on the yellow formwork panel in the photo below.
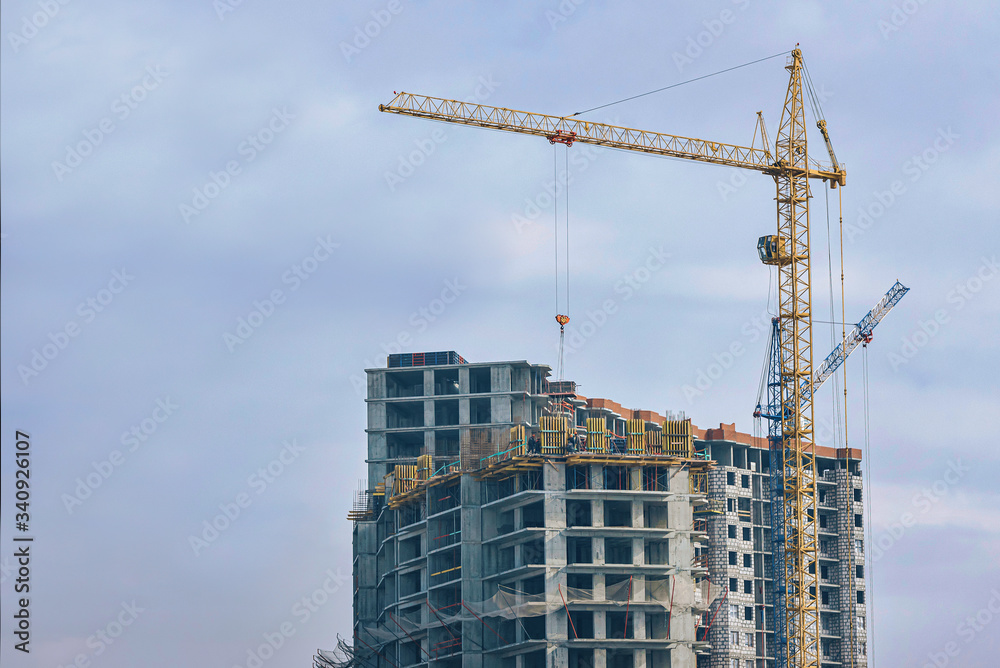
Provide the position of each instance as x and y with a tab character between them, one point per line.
555	431
405	478
424	466
635	437
654	442
517	441
597	437
678	438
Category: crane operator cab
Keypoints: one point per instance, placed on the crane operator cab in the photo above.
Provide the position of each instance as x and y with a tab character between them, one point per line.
771	249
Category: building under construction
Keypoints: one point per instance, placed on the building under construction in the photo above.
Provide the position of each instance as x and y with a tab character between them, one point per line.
509	521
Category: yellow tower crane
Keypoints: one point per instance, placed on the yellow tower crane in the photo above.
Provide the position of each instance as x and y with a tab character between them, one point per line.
791	169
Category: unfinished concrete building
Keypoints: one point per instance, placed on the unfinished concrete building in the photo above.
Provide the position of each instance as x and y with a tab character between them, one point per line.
622	538
739	555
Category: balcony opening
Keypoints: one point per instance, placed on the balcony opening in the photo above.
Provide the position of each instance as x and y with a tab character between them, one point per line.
404	384
407	445
657	552
533	515
446	412
617	626
479	380
579	551
618	550
617	513
404	414
578	514
479	411
445	381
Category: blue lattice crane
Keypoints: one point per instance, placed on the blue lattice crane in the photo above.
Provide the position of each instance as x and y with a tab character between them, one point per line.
773	413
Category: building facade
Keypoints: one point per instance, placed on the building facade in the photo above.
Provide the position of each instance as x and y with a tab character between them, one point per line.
623	538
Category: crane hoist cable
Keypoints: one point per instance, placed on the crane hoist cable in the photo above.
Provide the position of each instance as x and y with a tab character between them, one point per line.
561	318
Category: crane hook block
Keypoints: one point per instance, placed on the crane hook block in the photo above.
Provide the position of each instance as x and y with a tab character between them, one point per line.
562	320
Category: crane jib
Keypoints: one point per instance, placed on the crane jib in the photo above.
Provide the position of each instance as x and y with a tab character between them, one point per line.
568	130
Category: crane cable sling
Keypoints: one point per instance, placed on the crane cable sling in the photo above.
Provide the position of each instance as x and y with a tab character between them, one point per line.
706	76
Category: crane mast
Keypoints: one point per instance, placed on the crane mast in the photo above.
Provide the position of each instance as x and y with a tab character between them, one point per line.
795	344
797	614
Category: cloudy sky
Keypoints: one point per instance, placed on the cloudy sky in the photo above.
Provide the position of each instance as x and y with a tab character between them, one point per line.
209	232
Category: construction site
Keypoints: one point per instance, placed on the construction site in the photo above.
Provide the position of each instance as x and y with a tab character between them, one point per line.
625	538
508	521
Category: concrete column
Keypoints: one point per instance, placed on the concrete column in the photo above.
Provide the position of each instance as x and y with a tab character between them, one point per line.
639	588
428	383
463	411
473	565
428	413
638	513
500	409
601	655
500	378
600	626
376	385
463	380
429	443
683	655
638	626
376	415
597	512
555	558
599	590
